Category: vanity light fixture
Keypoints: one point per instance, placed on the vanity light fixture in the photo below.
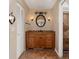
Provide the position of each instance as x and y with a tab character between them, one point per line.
48	19
27	23
41	13
31	19
11	18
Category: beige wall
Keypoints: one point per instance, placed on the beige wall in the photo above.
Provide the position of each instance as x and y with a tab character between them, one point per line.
12	31
55	12
24	5
58	14
26	10
50	25
13	28
21	42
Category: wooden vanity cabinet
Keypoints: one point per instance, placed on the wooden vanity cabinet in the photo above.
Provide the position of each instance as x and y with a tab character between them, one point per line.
35	39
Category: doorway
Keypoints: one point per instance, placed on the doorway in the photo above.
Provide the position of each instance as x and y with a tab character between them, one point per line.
66	35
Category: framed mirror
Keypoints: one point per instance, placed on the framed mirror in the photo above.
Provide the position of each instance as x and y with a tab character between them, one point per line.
40	20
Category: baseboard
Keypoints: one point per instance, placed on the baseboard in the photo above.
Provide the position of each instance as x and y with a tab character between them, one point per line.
20	54
57	52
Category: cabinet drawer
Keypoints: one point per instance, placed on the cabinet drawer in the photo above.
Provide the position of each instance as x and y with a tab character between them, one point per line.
40	39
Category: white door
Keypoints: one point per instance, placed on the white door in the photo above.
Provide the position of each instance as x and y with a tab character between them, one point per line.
20	31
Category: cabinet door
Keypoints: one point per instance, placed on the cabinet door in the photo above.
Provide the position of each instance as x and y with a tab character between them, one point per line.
42	41
50	41
36	42
30	43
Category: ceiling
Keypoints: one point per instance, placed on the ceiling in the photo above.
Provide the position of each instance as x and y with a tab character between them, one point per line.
40	4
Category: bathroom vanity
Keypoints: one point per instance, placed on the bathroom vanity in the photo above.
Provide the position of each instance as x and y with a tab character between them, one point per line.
40	39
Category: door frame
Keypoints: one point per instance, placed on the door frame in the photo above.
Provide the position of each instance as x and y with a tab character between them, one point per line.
61	10
21	10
